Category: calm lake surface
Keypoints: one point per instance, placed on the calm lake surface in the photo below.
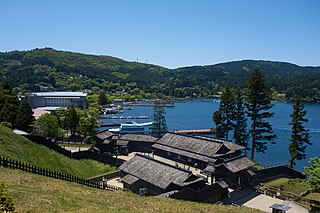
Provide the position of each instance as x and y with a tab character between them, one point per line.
197	114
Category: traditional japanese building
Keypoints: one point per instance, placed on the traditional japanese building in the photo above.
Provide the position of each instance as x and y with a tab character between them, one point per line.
137	142
196	151
154	177
221	160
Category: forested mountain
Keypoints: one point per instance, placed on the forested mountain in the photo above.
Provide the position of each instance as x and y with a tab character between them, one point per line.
62	70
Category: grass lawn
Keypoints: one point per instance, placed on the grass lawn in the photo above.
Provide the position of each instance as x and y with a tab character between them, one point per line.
314	196
19	148
74	145
35	193
294	186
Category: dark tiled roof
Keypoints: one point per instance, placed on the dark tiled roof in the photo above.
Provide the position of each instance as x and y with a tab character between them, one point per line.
202	146
238	163
230	145
223	184
104	134
138	137
129	179
157	173
181	152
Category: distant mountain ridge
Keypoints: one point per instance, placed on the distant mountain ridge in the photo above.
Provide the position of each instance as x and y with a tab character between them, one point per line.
65	70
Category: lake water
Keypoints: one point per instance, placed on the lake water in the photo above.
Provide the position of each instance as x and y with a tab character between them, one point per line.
197	114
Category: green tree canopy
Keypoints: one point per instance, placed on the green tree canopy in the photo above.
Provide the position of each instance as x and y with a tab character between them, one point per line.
226	108
24	118
313	174
258	103
47	126
240	134
102	98
71	121
6	201
300	136
159	126
217	119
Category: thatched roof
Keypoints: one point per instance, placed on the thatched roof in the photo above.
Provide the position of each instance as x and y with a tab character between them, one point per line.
156	172
139	137
104	135
195	147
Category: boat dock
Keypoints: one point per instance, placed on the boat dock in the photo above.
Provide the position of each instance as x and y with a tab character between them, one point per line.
195	131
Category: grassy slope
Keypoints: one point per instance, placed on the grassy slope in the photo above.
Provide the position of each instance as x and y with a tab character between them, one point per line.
19	148
288	185
35	193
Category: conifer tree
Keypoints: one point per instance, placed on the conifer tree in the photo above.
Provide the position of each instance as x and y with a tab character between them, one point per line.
159	126
217	118
226	109
300	136
24	118
258	104
102	99
71	120
240	134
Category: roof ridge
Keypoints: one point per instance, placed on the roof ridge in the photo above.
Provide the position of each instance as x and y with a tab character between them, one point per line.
161	162
200	138
234	158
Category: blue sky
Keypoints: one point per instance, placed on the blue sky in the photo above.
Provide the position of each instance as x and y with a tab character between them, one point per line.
170	33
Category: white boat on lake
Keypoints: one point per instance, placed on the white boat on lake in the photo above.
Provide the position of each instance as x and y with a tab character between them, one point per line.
133	128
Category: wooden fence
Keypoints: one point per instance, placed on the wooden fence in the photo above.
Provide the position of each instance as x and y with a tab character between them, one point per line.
13	164
76	155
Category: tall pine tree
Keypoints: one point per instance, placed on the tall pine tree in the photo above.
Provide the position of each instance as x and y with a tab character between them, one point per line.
71	120
299	134
226	110
159	126
258	105
240	134
24	118
217	118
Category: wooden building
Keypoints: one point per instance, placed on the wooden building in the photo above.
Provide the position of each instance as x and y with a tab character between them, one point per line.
107	142
153	177
235	172
104	142
137	142
221	160
196	151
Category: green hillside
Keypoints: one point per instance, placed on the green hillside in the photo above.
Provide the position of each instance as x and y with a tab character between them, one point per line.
19	148
35	193
62	70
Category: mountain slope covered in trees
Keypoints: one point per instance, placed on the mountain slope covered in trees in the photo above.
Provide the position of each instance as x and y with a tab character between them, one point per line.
62	70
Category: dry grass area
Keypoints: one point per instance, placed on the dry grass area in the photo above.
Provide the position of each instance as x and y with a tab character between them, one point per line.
35	193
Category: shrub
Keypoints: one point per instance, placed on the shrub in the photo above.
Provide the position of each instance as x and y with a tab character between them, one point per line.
6	201
6	124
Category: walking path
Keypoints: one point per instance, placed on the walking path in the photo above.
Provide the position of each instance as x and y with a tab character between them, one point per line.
252	199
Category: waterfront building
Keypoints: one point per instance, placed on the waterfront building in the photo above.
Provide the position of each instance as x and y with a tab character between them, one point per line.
219	159
56	99
154	177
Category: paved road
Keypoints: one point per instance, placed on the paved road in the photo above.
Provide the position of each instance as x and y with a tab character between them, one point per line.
252	199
